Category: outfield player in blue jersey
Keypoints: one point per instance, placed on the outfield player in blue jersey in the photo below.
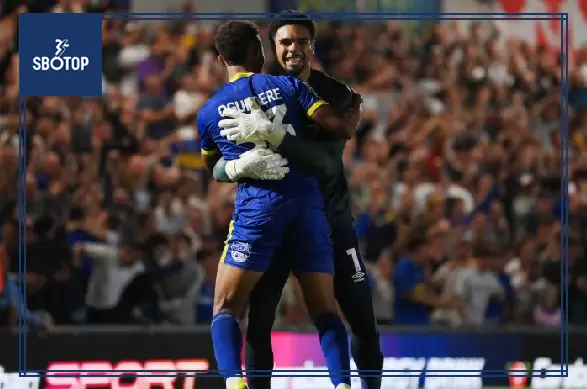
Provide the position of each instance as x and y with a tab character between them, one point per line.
268	212
292	37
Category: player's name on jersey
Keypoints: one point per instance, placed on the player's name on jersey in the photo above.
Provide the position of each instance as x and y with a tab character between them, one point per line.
265	97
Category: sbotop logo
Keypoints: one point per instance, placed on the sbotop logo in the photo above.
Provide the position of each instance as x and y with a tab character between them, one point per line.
59	61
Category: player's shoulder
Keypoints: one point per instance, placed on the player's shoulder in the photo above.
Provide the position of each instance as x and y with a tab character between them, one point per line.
298	84
281	80
288	85
220	97
319	77
206	110
209	110
333	90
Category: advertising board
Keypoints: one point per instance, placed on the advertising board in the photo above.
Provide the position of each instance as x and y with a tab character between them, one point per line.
123	359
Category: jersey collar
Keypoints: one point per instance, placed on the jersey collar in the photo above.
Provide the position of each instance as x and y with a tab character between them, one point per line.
240	75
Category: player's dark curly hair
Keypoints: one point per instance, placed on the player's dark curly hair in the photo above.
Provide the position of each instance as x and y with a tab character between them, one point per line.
233	39
287	17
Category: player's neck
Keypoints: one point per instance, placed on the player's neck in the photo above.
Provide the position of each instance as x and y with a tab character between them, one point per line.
235	71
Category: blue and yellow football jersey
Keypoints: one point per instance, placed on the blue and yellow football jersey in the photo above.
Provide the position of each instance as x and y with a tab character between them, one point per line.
265	210
285	100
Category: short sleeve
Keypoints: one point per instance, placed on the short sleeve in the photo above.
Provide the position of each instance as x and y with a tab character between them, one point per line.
208	146
307	97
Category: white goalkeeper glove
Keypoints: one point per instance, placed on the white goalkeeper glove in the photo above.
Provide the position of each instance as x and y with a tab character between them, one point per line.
242	127
257	164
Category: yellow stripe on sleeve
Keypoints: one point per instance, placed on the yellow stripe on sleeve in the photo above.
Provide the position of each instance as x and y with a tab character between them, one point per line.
315	106
209	152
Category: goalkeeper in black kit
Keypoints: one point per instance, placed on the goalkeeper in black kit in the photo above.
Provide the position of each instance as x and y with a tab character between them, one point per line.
292	36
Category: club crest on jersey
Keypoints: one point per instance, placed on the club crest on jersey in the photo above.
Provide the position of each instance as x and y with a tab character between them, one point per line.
240	251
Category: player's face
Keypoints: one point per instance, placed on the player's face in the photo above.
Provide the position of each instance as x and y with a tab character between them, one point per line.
293	48
257	56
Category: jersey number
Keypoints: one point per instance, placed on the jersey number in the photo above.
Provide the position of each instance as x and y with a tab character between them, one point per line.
353	253
276	115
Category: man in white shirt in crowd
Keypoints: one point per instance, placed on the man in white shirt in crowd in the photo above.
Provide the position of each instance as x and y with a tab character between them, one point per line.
479	287
115	267
449	278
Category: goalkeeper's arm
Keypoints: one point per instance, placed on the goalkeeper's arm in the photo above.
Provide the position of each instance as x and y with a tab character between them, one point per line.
309	155
219	171
227	171
256	164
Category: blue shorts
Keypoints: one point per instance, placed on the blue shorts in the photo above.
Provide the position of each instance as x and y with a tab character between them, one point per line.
265	224
350	271
351	285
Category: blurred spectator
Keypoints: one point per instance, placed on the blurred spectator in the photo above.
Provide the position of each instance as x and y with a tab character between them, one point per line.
415	299
501	310
479	287
204	302
522	272
11	300
11	307
170	215
114	270
548	310
379	276
449	278
180	280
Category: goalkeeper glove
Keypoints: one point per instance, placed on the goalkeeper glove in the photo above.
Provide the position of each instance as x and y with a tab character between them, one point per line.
257	164
241	127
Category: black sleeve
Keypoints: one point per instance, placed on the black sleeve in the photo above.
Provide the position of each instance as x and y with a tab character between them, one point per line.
335	92
312	156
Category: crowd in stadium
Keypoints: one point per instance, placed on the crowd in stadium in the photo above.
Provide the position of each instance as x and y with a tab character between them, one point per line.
456	165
